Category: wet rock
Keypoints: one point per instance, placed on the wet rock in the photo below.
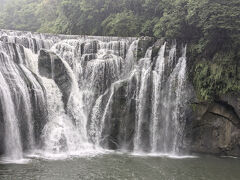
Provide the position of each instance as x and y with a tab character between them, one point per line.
40	112
51	66
119	126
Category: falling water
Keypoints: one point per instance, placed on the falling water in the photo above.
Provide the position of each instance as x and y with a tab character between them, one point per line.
20	96
13	145
167	128
59	134
178	78
146	66
157	82
116	100
75	106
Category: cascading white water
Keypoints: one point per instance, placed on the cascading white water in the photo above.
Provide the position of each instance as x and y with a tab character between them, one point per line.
167	129
115	98
60	135
13	143
34	42
96	124
157	82
31	60
99	117
164	131
20	95
130	59
146	67
75	107
177	81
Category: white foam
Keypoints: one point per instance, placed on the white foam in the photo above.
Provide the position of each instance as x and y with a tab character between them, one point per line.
171	156
5	160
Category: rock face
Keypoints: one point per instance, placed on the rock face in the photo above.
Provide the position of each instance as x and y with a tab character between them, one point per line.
215	128
51	66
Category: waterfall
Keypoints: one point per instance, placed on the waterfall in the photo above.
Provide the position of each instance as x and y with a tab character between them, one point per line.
146	68
75	106
71	95
157	82
162	131
168	94
12	142
96	124
177	81
59	134
20	96
18	115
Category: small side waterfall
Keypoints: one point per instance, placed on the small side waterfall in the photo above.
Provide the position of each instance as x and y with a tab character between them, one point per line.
72	95
12	142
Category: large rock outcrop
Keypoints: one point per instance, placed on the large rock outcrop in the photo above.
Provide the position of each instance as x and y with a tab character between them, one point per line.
215	128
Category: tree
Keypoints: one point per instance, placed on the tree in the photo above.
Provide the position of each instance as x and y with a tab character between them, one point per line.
219	22
121	24
20	15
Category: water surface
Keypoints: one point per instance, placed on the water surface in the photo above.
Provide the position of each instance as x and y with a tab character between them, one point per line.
123	166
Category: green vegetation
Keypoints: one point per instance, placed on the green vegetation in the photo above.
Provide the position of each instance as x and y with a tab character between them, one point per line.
215	78
210	27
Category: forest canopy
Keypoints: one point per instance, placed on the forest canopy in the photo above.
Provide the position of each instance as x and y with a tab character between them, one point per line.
184	19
